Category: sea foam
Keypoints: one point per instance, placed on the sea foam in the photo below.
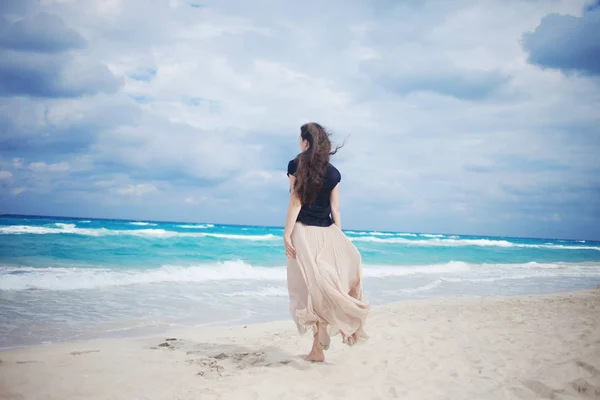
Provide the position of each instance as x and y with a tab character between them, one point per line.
150	232
60	279
469	242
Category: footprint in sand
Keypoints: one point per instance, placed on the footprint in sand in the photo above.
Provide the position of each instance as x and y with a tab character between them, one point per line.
543	390
583	386
588	368
587	386
78	353
170	343
209	367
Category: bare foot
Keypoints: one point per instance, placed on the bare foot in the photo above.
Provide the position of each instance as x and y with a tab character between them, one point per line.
315	357
350	340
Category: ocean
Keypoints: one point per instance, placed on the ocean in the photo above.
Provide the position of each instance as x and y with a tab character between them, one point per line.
66	279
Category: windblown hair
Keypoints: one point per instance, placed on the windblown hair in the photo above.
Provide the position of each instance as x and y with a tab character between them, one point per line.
313	163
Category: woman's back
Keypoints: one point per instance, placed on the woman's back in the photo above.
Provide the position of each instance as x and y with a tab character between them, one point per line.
318	213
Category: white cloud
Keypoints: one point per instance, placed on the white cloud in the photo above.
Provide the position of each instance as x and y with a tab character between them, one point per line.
105	183
17	191
43	167
141	189
17	162
5	175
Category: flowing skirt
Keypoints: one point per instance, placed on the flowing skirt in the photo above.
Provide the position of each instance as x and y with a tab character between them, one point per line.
325	283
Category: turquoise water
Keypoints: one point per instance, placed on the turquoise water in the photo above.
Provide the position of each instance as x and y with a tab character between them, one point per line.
67	279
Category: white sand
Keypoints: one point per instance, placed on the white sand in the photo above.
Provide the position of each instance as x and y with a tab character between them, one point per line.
493	348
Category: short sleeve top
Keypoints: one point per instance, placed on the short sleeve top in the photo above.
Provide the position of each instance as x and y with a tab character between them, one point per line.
319	213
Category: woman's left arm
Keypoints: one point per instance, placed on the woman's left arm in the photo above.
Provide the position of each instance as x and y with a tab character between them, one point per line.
292	214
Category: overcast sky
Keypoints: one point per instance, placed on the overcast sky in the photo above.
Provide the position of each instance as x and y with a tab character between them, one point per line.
466	116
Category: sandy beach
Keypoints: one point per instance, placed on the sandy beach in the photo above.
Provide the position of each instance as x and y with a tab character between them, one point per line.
527	347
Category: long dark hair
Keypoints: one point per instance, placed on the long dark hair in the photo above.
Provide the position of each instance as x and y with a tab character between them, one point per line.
313	163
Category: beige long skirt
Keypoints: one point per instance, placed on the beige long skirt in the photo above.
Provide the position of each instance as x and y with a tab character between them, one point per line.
325	283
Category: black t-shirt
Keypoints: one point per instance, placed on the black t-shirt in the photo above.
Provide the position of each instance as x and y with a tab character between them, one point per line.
318	213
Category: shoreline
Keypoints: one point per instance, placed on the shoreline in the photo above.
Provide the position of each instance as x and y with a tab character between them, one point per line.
495	347
140	333
114	335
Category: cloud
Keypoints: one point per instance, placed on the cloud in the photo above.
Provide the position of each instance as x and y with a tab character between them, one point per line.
17	162
437	77
43	167
5	175
566	42
59	126
44	32
447	123
15	7
53	75
141	189
17	191
105	183
37	59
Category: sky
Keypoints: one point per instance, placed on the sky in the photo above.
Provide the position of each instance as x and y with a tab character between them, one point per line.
472	117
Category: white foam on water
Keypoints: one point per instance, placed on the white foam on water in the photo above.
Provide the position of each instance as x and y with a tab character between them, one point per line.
454	241
65	226
469	242
22	278
425	288
376	233
430	235
141	223
383	271
268	236
61	279
151	232
196	226
265	292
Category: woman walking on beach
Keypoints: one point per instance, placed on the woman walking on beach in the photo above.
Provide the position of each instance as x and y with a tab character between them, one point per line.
323	267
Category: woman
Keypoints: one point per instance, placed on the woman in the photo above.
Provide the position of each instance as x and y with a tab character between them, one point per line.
324	267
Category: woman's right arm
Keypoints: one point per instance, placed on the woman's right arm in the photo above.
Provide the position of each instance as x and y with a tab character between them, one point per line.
292	215
335	206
